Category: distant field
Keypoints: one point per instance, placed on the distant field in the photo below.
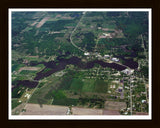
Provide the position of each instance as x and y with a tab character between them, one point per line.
36	109
86	111
42	22
76	84
88	85
113	105
42	95
111	112
29	68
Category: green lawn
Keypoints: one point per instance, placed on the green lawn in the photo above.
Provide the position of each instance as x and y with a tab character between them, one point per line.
100	86
43	94
76	84
88	85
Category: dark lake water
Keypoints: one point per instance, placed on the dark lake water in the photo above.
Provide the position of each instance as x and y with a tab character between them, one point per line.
61	63
130	62
26	83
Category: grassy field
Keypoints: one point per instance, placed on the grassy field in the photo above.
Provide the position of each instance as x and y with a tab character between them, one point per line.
100	86
76	84
15	103
88	85
67	90
42	95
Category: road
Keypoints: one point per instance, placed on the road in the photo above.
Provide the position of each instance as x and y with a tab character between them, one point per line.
74	31
81	48
145	53
130	97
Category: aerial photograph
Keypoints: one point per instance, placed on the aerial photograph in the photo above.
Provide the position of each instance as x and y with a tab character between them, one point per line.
79	63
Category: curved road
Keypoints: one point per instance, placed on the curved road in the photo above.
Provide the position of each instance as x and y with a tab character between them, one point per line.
74	31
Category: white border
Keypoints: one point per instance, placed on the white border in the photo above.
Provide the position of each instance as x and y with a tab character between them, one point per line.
76	117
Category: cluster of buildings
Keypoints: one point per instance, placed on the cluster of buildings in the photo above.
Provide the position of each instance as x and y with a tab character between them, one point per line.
102	57
128	71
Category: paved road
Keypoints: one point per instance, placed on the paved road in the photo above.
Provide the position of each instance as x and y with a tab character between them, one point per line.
74	31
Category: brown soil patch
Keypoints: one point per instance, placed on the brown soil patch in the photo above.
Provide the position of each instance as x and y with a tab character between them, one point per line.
105	29
29	68
35	109
42	22
34	23
58	15
86	111
111	105
64	17
110	112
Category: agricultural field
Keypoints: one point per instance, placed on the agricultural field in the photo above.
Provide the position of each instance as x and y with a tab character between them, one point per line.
80	63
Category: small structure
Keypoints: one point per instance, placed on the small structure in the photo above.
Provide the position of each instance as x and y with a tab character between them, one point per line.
99	56
120	89
128	71
86	53
126	87
112	86
115	59
108	35
27	96
106	56
83	13
143	101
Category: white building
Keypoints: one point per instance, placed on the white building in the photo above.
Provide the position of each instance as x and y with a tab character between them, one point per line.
115	59
106	56
106	34
86	53
128	71
143	101
83	13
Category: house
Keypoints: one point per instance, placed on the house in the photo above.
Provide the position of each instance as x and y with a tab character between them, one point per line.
86	53
120	89
115	59
143	101
128	72
126	87
106	56
106	34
